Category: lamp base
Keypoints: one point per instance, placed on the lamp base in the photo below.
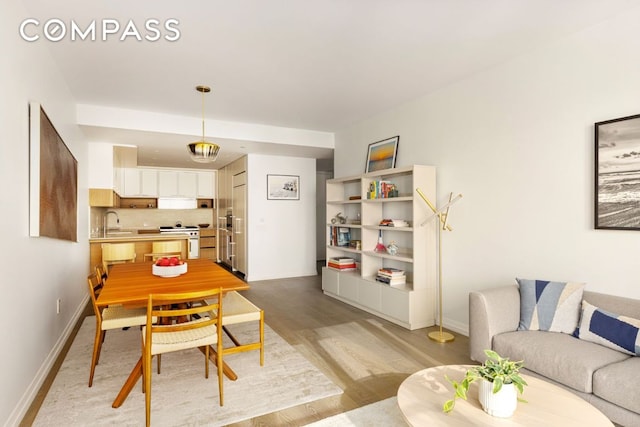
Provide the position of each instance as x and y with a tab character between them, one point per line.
439	336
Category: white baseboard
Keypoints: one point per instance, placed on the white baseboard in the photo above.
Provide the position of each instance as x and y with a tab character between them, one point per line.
456	326
30	394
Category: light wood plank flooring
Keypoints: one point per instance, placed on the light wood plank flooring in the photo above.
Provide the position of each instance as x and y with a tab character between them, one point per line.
366	356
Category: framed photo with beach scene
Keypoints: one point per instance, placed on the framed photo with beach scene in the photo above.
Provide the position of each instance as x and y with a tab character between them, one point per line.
382	154
617	174
283	187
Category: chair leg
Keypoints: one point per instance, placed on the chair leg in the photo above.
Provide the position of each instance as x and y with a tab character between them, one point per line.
206	362
146	374
159	358
97	344
261	338
220	373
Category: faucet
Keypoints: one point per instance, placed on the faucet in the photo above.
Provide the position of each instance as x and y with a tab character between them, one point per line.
104	221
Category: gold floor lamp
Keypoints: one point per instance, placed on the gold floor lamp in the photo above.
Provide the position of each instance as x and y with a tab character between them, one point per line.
443	215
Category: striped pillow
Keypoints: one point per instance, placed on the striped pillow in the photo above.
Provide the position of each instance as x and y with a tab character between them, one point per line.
609	329
549	306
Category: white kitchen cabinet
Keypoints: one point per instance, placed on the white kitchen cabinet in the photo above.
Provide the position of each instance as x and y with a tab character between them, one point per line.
139	182
174	183
206	185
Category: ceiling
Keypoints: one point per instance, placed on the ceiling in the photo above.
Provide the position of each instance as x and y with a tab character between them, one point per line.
309	65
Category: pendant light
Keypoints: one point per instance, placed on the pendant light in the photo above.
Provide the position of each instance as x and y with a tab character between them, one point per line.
203	151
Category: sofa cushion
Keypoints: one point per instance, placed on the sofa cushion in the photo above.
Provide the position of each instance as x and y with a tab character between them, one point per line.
618	332
549	306
614	383
560	357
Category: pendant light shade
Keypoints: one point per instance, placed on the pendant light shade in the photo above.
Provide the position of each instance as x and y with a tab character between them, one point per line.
203	151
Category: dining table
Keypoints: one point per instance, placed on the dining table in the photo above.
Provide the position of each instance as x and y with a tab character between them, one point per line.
130	285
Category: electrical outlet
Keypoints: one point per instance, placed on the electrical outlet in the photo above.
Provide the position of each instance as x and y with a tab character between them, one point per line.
58	305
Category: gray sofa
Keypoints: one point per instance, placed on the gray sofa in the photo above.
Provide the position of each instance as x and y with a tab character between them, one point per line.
606	378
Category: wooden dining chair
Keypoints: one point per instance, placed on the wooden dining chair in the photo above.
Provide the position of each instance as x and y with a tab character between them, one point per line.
238	309
203	331
165	249
117	253
112	317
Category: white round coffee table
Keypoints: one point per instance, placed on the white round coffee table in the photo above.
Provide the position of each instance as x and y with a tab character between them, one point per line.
421	396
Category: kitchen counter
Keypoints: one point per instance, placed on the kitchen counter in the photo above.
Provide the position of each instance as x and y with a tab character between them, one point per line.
143	244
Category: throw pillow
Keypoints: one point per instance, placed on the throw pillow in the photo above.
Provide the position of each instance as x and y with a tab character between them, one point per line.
549	306
612	330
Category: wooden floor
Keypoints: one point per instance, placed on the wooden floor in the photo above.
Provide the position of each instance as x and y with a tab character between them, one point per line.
316	325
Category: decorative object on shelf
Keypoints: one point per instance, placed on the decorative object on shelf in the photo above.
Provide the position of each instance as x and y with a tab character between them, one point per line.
355	244
283	187
382	154
443	215
380	247
203	225
392	248
617	162
53	180
500	383
203	151
339	219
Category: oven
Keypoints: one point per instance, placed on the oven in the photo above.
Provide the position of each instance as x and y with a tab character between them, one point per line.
193	248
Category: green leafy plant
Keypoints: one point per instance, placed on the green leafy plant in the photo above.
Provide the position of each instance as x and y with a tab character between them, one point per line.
496	369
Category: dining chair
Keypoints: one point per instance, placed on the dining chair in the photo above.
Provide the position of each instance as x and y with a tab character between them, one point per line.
117	253
112	317
165	249
101	274
202	331
238	309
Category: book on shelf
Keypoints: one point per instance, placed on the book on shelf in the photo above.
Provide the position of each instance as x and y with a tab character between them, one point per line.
382	189
344	236
342	260
342	266
391	272
387	222
392	281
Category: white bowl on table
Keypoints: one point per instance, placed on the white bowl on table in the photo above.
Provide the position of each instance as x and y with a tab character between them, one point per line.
169	270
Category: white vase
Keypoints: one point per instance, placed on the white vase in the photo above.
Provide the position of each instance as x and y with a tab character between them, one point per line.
501	404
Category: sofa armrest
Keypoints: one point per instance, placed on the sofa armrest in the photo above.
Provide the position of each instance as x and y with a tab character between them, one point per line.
491	312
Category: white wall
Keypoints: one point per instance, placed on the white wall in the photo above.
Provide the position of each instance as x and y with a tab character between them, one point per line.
281	233
35	272
517	142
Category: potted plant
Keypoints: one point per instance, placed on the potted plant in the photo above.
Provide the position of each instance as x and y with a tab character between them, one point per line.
499	387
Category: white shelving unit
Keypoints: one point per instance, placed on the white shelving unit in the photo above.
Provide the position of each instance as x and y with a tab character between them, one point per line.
413	304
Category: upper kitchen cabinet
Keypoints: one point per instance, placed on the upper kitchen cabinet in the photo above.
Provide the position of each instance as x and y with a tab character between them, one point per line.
177	184
140	182
206	184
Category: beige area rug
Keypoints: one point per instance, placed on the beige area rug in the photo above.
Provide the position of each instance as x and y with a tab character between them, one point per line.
181	396
380	414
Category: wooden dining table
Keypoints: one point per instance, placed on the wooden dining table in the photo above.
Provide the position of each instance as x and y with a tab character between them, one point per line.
131	284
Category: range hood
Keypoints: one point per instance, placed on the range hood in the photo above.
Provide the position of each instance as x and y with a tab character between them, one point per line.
177	203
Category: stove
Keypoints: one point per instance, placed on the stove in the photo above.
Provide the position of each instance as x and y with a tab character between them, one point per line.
190	230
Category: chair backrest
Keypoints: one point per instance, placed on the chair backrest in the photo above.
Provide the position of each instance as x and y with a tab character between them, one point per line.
117	253
207	311
94	289
101	274
166	248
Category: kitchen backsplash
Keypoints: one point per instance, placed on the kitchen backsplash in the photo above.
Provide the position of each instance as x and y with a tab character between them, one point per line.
151	218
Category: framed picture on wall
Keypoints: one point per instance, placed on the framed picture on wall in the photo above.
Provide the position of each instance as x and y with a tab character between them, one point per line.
283	187
617	174
382	154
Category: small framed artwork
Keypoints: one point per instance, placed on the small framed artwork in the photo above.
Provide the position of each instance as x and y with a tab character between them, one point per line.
283	187
382	154
617	174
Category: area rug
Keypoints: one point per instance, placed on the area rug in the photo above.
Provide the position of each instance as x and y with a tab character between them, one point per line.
181	396
380	414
